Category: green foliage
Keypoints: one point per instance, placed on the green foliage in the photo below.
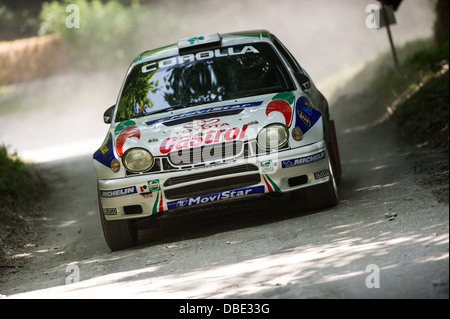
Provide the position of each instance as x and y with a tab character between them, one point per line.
419	87
106	31
18	20
441	23
423	63
427	104
429	59
423	117
16	179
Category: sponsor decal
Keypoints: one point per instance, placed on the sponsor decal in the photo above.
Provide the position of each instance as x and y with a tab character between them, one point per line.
154	185
267	166
118	192
235	193
143	188
271	185
105	153
205	111
158	206
199	125
303	160
203	55
282	102
125	130
194	39
109	211
147	190
147	195
203	125
304	118
306	114
104	149
208	137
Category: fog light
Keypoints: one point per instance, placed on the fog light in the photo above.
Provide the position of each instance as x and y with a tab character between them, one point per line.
297	133
115	165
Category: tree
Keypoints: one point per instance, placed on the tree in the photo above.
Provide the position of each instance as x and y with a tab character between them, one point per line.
441	25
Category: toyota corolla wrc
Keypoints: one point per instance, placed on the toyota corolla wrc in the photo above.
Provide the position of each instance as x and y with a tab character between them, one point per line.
212	118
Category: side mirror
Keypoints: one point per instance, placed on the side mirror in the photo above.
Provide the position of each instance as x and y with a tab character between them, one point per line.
303	80
107	116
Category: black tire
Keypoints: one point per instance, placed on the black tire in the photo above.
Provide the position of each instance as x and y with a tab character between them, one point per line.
333	148
323	195
119	234
335	165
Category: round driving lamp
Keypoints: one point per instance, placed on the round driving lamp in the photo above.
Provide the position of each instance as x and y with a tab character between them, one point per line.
297	133
115	165
273	136
137	160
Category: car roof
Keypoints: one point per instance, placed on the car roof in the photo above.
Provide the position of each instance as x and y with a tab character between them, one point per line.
225	38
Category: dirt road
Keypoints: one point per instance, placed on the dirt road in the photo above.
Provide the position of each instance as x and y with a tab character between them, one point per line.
389	232
387	238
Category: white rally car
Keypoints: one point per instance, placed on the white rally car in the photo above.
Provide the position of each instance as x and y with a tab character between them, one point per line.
212	118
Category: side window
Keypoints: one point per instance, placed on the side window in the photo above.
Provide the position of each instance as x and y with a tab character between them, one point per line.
287	55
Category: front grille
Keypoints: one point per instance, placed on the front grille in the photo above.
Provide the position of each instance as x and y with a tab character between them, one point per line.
206	154
215	186
216	173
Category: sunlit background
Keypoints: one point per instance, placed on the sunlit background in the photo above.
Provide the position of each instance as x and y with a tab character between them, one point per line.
63	67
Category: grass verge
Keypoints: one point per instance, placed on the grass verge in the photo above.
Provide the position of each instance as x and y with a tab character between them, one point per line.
419	89
21	190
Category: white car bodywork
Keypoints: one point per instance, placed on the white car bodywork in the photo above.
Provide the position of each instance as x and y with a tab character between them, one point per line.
210	152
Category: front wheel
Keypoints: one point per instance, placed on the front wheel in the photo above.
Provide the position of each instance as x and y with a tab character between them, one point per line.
323	195
119	234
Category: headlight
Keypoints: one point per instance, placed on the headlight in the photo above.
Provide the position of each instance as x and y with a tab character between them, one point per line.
273	136
137	160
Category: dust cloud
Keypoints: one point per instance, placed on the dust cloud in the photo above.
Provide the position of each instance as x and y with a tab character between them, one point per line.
326	36
61	116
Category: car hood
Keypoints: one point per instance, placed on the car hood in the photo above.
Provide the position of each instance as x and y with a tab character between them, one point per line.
204	124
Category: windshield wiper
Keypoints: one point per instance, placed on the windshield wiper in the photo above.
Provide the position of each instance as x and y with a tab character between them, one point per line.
168	109
176	107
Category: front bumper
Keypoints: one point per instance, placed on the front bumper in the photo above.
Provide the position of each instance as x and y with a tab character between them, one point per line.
148	194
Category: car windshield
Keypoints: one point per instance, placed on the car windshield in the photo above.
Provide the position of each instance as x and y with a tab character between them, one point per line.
202	77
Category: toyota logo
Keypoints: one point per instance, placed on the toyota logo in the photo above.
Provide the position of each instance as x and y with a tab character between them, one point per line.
182	203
